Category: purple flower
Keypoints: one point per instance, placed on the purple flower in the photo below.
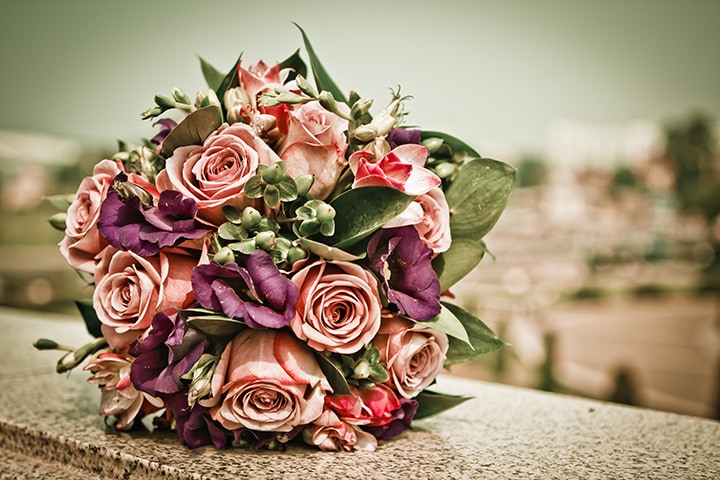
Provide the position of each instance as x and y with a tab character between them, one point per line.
402	417
258	293
194	426
403	263
166	126
403	136
165	353
129	225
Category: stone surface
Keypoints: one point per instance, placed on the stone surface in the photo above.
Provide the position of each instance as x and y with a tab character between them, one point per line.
49	428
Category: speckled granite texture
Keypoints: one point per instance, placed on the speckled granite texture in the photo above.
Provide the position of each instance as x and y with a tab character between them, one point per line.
49	428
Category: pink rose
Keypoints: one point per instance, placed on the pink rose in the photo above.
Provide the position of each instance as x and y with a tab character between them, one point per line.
373	407
434	229
339	306
315	144
403	168
119	396
330	433
412	353
83	242
215	173
266	380
130	289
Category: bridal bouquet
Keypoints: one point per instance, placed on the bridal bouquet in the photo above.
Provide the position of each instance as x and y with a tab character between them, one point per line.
274	263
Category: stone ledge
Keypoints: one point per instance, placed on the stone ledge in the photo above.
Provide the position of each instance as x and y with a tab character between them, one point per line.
50	428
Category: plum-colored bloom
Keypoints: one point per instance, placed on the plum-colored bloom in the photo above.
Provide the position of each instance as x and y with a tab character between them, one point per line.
267	381
403	168
258	293
412	353
119	396
403	136
130	289
315	144
194	425
163	354
403	263
339	306
166	126
215	173
128	225
83	242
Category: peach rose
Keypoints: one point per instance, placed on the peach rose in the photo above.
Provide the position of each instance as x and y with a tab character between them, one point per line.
83	242
315	144
130	289
268	381
215	173
412	353
261	77
338	308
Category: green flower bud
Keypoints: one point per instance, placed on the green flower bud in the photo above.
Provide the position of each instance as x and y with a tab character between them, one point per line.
295	254
265	240
250	218
180	96
361	370
360	108
165	102
305	86
445	170
224	255
58	221
325	213
432	144
304	184
273	174
364	133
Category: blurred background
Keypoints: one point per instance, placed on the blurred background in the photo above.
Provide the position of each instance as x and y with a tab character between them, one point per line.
606	276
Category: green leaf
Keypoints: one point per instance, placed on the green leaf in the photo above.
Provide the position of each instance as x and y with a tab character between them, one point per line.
213	76
432	403
216	325
230	231
230	80
92	322
193	129
294	62
288	189
361	211
334	375
232	214
478	196
328	253
61	202
455	143
482	339
322	78
271	195
452	265
448	323
254	187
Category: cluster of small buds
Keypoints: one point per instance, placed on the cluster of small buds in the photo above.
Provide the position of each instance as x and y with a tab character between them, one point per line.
443	160
181	101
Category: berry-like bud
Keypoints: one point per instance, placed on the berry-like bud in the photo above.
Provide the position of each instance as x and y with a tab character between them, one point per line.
325	213
223	256
250	218
265	240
